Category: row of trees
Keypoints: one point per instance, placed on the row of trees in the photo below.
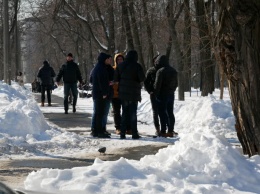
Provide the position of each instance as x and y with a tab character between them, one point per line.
181	29
185	30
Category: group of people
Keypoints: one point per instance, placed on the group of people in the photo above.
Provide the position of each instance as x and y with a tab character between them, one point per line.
120	85
71	75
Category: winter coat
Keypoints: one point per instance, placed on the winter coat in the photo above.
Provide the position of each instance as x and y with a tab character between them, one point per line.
166	80
130	74
46	74
150	78
70	72
99	78
115	86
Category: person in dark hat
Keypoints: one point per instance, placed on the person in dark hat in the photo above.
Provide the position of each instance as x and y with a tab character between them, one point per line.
46	75
102	93
130	75
71	74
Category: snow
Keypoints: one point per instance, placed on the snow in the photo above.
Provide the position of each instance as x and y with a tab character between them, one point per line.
206	157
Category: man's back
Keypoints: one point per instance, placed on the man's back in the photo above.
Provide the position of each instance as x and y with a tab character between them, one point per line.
130	74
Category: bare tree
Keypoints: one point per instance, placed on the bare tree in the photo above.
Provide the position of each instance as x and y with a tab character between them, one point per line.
238	39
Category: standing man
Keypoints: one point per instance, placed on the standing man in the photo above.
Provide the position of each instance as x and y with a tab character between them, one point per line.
165	85
101	94
130	75
149	86
71	75
46	75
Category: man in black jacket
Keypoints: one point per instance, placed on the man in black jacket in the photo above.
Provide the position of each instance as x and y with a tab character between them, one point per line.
71	75
46	75
149	86
165	85
130	75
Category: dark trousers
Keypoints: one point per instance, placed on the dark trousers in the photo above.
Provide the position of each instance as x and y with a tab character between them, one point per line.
165	108
99	115
104	120
154	104
46	88
129	115
116	104
74	90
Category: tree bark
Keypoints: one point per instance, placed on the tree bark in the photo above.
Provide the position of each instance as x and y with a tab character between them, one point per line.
149	34
208	69
6	43
176	45
238	39
129	37
136	34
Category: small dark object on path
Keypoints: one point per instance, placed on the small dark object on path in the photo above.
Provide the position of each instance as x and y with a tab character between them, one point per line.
102	150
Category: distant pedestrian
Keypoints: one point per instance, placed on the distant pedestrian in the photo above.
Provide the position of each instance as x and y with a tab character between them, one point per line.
70	73
165	85
149	86
130	75
20	78
46	75
101	93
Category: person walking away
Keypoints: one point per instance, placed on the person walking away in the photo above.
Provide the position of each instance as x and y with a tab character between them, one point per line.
100	93
130	75
46	75
71	74
149	87
166	82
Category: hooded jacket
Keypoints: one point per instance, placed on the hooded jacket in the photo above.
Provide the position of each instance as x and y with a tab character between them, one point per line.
130	74
46	74
166	80
115	86
99	78
150	77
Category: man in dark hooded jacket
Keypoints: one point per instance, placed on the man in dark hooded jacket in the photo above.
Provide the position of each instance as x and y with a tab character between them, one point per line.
102	93
130	75
46	75
70	73
165	85
149	86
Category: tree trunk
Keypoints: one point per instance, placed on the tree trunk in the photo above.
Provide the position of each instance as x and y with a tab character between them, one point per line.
149	34
127	27
187	46
6	43
176	45
238	38
207	76
136	34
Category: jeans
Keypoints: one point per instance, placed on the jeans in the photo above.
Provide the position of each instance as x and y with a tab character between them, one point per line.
48	89
74	90
165	108
116	103
129	116
104	119
154	104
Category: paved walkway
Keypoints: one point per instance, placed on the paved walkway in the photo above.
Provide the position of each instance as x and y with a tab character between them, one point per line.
13	172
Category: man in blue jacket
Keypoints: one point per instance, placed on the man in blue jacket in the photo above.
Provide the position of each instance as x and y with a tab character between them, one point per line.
71	75
101	94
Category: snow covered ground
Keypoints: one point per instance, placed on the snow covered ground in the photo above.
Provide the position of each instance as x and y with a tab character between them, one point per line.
201	160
